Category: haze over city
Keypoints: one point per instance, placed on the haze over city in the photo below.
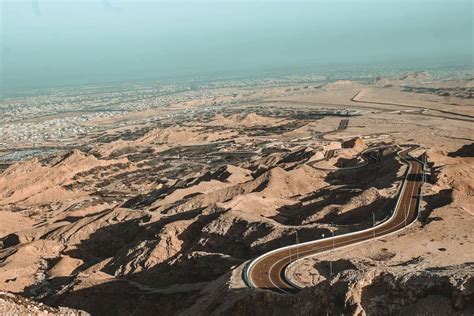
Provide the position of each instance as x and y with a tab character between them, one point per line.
236	157
62	43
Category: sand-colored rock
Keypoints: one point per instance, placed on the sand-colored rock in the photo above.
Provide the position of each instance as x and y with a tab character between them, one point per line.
31	182
27	264
12	304
12	222
64	267
244	120
165	219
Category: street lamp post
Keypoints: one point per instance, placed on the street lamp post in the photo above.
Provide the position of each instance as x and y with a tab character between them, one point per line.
330	267
330	262
333	237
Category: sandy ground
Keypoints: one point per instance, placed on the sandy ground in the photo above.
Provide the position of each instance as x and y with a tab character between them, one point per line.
149	217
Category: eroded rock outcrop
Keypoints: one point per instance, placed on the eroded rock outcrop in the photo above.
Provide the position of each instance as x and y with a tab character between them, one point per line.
356	290
11	304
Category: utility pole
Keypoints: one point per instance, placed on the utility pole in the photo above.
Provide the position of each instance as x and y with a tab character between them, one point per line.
333	237
330	261
424	169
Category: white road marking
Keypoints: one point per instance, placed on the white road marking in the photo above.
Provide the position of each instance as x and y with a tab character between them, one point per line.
364	235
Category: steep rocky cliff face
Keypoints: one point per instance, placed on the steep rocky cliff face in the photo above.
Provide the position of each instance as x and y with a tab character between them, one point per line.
358	288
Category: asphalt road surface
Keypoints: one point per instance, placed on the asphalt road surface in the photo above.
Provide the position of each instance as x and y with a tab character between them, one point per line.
268	270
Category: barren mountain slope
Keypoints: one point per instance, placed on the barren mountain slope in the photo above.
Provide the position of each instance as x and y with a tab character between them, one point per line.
164	218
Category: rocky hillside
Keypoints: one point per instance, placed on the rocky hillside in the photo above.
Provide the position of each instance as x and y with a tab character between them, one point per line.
11	304
165	221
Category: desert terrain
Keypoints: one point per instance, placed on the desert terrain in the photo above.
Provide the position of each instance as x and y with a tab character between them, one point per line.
151	202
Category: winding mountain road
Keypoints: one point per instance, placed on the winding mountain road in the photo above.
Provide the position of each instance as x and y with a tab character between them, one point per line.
370	155
268	270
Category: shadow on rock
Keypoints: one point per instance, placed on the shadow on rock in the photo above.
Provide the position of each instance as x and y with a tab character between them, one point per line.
434	201
465	151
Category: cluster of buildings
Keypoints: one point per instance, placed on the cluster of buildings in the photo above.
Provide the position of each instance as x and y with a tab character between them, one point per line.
59	130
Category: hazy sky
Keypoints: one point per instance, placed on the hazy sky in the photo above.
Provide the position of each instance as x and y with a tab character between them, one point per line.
67	42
